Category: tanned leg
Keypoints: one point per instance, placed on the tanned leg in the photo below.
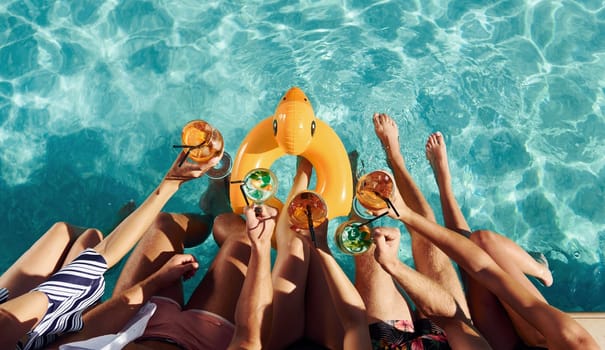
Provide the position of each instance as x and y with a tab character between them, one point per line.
488	314
428	259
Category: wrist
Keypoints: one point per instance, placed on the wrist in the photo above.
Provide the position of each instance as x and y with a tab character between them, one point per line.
154	282
260	247
139	293
170	186
404	213
389	266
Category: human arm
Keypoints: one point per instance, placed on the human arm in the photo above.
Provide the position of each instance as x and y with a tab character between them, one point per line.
253	310
560	330
131	229
437	303
430	298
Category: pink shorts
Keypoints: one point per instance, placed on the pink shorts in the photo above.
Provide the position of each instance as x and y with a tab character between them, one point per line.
190	329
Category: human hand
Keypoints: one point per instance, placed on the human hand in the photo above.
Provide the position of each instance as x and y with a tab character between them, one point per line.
182	170
386	240
260	223
320	236
396	207
178	266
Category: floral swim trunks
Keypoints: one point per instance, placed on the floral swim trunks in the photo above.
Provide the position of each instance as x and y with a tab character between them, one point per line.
404	335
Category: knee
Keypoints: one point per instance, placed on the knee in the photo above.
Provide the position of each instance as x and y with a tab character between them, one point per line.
63	231
90	238
483	238
164	222
226	225
60	226
577	337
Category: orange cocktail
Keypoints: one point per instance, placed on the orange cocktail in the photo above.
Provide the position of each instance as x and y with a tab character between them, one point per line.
204	141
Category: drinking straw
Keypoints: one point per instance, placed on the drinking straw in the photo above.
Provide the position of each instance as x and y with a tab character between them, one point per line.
390	204
374	218
241	188
185	158
388	201
310	223
190	148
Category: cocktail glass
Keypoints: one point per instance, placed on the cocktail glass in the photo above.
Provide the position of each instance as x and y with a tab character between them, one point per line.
204	142
353	237
307	210
258	185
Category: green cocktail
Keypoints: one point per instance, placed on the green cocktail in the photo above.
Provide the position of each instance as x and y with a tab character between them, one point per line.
353	238
259	185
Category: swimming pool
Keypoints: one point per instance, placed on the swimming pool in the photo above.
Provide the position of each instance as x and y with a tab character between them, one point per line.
93	94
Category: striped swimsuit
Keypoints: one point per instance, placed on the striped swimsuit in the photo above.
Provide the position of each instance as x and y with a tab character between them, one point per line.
70	291
3	295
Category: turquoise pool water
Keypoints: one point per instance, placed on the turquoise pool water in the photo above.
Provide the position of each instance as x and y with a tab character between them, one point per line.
94	93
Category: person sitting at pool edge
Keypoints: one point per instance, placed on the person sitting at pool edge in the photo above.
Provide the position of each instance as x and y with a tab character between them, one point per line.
391	320
35	318
558	329
153	274
304	282
501	325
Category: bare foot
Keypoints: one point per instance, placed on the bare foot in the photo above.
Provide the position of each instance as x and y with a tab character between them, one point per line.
544	276
436	153
387	132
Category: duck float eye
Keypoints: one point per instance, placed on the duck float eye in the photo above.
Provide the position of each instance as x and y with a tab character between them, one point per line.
313	128
275	127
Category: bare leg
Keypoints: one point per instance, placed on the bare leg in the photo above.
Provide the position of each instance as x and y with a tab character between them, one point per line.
220	288
299	283
428	259
494	244
225	224
87	239
382	298
322	322
380	295
58	246
168	235
560	330
509	256
290	272
487	312
506	252
289	278
436	154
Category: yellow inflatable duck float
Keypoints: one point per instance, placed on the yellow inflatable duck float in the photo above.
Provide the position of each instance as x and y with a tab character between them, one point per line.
295	130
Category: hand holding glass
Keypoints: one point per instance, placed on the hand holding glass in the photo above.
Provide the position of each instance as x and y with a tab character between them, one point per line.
374	191
307	210
259	185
